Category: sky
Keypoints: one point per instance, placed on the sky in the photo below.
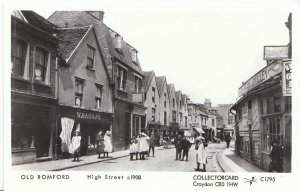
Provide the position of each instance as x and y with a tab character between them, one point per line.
206	51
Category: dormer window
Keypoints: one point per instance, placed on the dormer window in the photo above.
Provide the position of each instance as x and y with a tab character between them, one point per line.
134	56
118	42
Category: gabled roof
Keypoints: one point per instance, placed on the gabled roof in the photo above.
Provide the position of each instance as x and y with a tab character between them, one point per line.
170	87
178	95
160	82
147	80
124	55
70	39
38	21
184	98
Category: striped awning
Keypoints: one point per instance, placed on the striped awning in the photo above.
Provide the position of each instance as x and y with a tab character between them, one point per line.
199	130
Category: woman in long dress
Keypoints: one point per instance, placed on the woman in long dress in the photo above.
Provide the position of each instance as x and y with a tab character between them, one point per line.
100	144
75	146
107	144
200	154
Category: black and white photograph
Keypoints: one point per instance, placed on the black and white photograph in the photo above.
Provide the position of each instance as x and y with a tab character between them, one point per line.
159	87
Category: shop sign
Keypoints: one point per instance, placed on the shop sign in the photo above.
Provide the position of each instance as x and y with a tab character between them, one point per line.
287	79
263	75
137	97
276	52
84	115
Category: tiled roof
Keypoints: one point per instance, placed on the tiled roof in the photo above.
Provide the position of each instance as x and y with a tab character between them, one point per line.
69	38
160	81
124	55
147	80
39	22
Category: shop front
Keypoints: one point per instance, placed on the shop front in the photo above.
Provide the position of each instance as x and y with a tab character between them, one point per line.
32	124
89	122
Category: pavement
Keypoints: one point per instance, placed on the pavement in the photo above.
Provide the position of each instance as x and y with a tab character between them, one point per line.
220	159
64	164
229	161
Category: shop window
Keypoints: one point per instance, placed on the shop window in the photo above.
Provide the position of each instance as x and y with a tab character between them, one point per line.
153	94
277	104
90	57
269	105
18	56
153	114
41	62
247	147
272	130
121	78
186	122
137	84
165	118
22	136
98	97
78	92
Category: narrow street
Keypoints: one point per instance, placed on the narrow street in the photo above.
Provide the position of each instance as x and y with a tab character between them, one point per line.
164	160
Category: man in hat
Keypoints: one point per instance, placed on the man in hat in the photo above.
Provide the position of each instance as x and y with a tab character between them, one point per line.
152	141
186	145
178	146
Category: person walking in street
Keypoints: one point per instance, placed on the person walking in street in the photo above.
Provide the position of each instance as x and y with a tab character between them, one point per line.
75	145
227	139
152	142
186	145
143	145
133	149
100	144
178	147
276	157
200	154
107	144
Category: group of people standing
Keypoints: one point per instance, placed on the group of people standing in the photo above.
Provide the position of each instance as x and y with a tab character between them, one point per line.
141	146
104	145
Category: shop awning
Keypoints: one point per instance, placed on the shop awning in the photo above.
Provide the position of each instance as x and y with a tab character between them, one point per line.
199	130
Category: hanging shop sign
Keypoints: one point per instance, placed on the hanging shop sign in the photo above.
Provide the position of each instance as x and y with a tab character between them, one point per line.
137	97
263	75
276	52
287	78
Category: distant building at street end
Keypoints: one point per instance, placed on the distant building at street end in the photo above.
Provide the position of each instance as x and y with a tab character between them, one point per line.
225	120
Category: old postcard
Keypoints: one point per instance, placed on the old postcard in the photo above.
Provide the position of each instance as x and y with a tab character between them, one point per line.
140	95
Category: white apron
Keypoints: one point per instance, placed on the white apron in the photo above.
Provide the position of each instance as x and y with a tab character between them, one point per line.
75	144
107	144
201	154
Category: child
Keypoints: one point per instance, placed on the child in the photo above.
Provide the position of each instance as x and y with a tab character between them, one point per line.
75	146
133	150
